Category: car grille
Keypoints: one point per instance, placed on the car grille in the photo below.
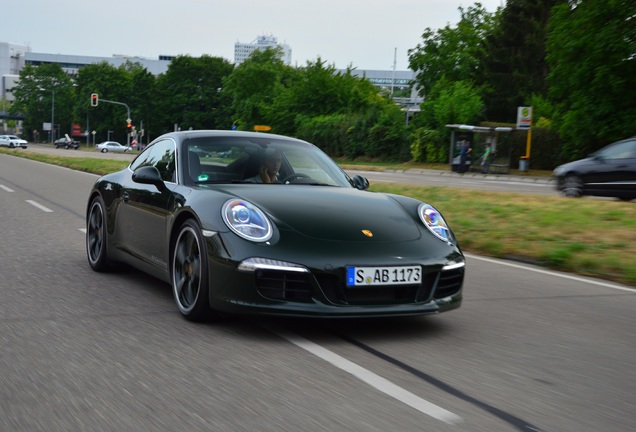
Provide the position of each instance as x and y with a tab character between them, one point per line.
281	285
449	283
298	287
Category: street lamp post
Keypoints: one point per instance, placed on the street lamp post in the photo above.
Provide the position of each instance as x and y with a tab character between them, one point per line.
52	115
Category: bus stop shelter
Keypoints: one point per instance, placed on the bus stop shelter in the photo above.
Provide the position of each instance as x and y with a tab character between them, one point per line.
460	132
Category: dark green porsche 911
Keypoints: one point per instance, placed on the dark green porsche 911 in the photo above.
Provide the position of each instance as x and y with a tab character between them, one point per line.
258	223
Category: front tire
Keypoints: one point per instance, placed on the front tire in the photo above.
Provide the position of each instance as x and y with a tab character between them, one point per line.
96	237
104	150
572	186
190	273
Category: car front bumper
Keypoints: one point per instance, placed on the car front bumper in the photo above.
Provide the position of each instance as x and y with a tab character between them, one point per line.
318	288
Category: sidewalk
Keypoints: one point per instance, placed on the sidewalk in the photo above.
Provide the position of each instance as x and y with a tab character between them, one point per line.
477	175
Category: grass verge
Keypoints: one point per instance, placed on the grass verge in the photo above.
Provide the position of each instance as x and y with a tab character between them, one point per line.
88	164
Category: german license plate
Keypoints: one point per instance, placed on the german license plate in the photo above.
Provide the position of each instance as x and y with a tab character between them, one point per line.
370	276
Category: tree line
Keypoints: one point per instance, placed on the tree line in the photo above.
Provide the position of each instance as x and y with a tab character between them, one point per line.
574	61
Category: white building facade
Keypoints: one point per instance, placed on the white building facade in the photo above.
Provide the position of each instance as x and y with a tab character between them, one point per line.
12	60
243	50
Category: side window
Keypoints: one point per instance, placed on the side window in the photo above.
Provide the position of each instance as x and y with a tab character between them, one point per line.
624	150
160	155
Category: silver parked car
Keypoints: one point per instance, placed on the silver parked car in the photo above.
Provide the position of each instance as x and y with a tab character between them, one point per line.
12	141
112	146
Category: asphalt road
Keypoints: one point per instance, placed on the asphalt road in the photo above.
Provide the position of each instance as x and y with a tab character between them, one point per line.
530	350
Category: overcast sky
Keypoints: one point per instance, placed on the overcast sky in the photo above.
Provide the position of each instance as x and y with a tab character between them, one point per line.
359	33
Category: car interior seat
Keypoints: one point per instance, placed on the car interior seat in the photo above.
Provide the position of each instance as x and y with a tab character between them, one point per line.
252	165
194	166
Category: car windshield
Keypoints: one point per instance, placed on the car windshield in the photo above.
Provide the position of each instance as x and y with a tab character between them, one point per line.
214	160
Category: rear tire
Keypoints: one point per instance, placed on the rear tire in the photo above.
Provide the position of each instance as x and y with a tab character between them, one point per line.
190	273
96	236
572	186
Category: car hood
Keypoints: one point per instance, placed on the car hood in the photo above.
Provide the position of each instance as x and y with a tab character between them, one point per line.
332	213
573	166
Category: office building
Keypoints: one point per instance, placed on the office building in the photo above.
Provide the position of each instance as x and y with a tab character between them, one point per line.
243	50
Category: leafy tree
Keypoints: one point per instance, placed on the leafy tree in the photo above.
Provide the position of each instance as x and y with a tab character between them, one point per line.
452	53
142	101
254	84
44	92
328	132
514	57
110	83
190	94
319	90
592	58
457	102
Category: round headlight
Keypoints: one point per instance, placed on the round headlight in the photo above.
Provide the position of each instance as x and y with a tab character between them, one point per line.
434	221
247	220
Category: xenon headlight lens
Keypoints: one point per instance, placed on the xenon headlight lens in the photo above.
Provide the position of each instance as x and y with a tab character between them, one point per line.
247	220
434	221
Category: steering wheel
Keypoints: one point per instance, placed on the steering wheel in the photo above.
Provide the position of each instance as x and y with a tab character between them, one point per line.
294	176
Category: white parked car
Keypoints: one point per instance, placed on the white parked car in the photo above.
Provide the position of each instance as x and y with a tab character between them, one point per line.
112	146
12	141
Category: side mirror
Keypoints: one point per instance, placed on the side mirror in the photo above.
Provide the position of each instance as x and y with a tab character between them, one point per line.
149	175
360	182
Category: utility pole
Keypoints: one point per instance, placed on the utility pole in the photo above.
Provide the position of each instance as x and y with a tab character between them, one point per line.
393	77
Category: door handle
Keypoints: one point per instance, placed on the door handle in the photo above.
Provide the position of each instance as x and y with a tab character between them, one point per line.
126	197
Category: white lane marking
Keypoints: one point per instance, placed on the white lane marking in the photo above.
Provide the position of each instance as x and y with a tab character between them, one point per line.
374	380
6	188
40	206
82	230
553	273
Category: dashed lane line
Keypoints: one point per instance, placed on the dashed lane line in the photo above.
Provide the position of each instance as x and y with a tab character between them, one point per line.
372	379
39	206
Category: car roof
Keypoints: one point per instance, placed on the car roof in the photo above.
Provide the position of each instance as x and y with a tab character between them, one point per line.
182	135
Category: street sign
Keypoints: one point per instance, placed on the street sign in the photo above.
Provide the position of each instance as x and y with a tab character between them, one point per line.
524	117
262	128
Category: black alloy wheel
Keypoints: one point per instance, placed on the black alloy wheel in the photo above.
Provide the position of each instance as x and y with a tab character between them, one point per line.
190	273
96	236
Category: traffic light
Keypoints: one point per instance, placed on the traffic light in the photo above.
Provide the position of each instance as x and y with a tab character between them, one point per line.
94	99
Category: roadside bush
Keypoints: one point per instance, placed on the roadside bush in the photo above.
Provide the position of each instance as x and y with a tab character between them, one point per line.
545	152
427	146
387	138
328	132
